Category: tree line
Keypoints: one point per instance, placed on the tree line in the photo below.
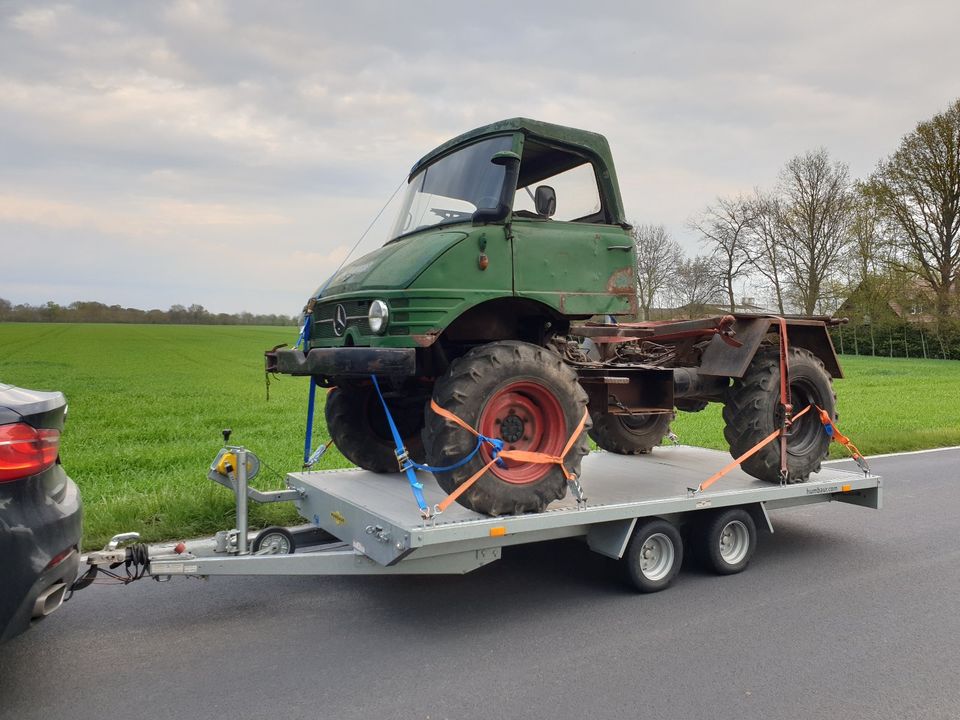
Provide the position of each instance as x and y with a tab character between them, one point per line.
97	312
883	250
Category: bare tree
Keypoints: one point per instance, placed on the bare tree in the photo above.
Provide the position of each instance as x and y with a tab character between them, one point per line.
918	188
726	228
697	284
871	276
657	259
871	244
814	222
764	243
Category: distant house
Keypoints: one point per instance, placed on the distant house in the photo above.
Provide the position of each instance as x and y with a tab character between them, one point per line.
870	302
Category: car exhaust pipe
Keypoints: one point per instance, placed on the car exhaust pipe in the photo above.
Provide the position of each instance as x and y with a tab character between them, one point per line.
49	600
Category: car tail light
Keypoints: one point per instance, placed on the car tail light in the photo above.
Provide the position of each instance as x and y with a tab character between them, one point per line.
59	558
25	450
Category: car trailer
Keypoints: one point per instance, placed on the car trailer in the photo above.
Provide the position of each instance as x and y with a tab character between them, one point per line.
638	509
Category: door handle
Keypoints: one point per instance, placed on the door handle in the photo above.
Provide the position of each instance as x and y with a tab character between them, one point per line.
625	248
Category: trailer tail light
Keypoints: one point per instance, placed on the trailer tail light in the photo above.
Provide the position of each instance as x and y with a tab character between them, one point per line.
25	450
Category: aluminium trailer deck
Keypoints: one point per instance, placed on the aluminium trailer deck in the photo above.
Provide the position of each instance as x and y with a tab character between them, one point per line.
381	532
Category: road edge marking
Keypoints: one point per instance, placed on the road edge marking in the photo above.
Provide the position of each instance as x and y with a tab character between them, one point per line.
894	454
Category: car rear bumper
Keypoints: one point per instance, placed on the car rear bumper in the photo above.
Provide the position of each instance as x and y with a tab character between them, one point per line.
40	529
344	362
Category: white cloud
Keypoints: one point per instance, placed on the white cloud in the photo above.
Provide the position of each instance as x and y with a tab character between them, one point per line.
36	21
170	135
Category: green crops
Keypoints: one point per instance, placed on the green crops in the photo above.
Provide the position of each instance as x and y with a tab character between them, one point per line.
147	403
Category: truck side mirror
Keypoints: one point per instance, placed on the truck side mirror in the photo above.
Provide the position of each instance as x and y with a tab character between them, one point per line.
545	201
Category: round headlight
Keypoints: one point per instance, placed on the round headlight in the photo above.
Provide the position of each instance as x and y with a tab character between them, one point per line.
378	315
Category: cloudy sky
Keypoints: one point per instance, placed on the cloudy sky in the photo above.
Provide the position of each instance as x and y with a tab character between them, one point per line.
229	154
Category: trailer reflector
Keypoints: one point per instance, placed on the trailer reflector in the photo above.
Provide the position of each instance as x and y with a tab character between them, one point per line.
498	531
845	488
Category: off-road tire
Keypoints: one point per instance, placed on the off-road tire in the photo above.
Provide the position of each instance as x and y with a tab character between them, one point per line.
630	435
359	429
470	389
752	411
691	405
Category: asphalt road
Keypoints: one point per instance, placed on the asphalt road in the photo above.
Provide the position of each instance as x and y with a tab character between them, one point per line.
844	613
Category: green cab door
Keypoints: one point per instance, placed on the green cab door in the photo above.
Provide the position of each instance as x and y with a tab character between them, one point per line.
576	268
567	253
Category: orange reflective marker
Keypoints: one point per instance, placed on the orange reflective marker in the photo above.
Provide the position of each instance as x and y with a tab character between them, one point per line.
498	531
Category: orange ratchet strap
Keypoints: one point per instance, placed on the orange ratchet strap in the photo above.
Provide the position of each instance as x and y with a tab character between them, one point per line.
828	428
835	434
785	400
520	455
749	453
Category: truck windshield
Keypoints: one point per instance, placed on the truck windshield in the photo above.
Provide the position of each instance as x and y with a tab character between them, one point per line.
453	188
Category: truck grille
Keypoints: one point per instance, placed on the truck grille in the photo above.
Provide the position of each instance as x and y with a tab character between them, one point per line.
324	315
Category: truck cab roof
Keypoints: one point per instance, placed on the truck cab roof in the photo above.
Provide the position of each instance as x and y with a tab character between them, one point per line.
548	149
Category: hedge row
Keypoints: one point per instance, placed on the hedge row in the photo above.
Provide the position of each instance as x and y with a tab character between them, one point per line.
898	340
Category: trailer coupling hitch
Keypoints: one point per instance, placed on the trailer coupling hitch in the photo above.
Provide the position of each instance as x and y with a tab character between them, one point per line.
133	558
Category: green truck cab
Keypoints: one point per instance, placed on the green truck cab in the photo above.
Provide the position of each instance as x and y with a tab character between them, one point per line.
509	238
464	265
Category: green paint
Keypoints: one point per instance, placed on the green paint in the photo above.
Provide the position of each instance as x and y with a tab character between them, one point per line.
447	262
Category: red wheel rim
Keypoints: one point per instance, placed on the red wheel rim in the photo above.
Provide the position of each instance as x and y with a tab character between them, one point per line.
526	416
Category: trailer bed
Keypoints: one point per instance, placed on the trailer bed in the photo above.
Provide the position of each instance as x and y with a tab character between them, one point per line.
380	528
617	487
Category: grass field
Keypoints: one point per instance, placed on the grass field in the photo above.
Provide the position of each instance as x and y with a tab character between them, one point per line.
147	403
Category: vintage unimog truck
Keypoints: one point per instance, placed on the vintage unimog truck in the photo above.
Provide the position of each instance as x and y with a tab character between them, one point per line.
510	238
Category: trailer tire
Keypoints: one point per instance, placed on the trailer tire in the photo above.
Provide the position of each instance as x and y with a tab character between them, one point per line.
358	427
518	392
727	541
654	555
630	434
752	411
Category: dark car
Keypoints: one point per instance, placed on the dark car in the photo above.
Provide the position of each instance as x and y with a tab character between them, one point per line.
40	511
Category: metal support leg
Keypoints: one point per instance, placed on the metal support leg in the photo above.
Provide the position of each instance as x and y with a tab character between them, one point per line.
241	493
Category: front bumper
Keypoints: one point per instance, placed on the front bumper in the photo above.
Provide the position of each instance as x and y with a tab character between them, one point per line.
343	362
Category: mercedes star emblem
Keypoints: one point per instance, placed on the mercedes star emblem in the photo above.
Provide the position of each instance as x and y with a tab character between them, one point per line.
340	321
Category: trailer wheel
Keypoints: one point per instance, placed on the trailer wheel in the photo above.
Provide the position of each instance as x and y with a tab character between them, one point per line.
654	555
630	434
752	411
359	429
273	541
522	394
727	541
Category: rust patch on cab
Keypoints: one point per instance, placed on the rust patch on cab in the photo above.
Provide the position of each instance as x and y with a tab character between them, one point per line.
426	339
621	282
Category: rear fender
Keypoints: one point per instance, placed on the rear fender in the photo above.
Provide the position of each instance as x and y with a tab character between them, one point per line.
721	359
